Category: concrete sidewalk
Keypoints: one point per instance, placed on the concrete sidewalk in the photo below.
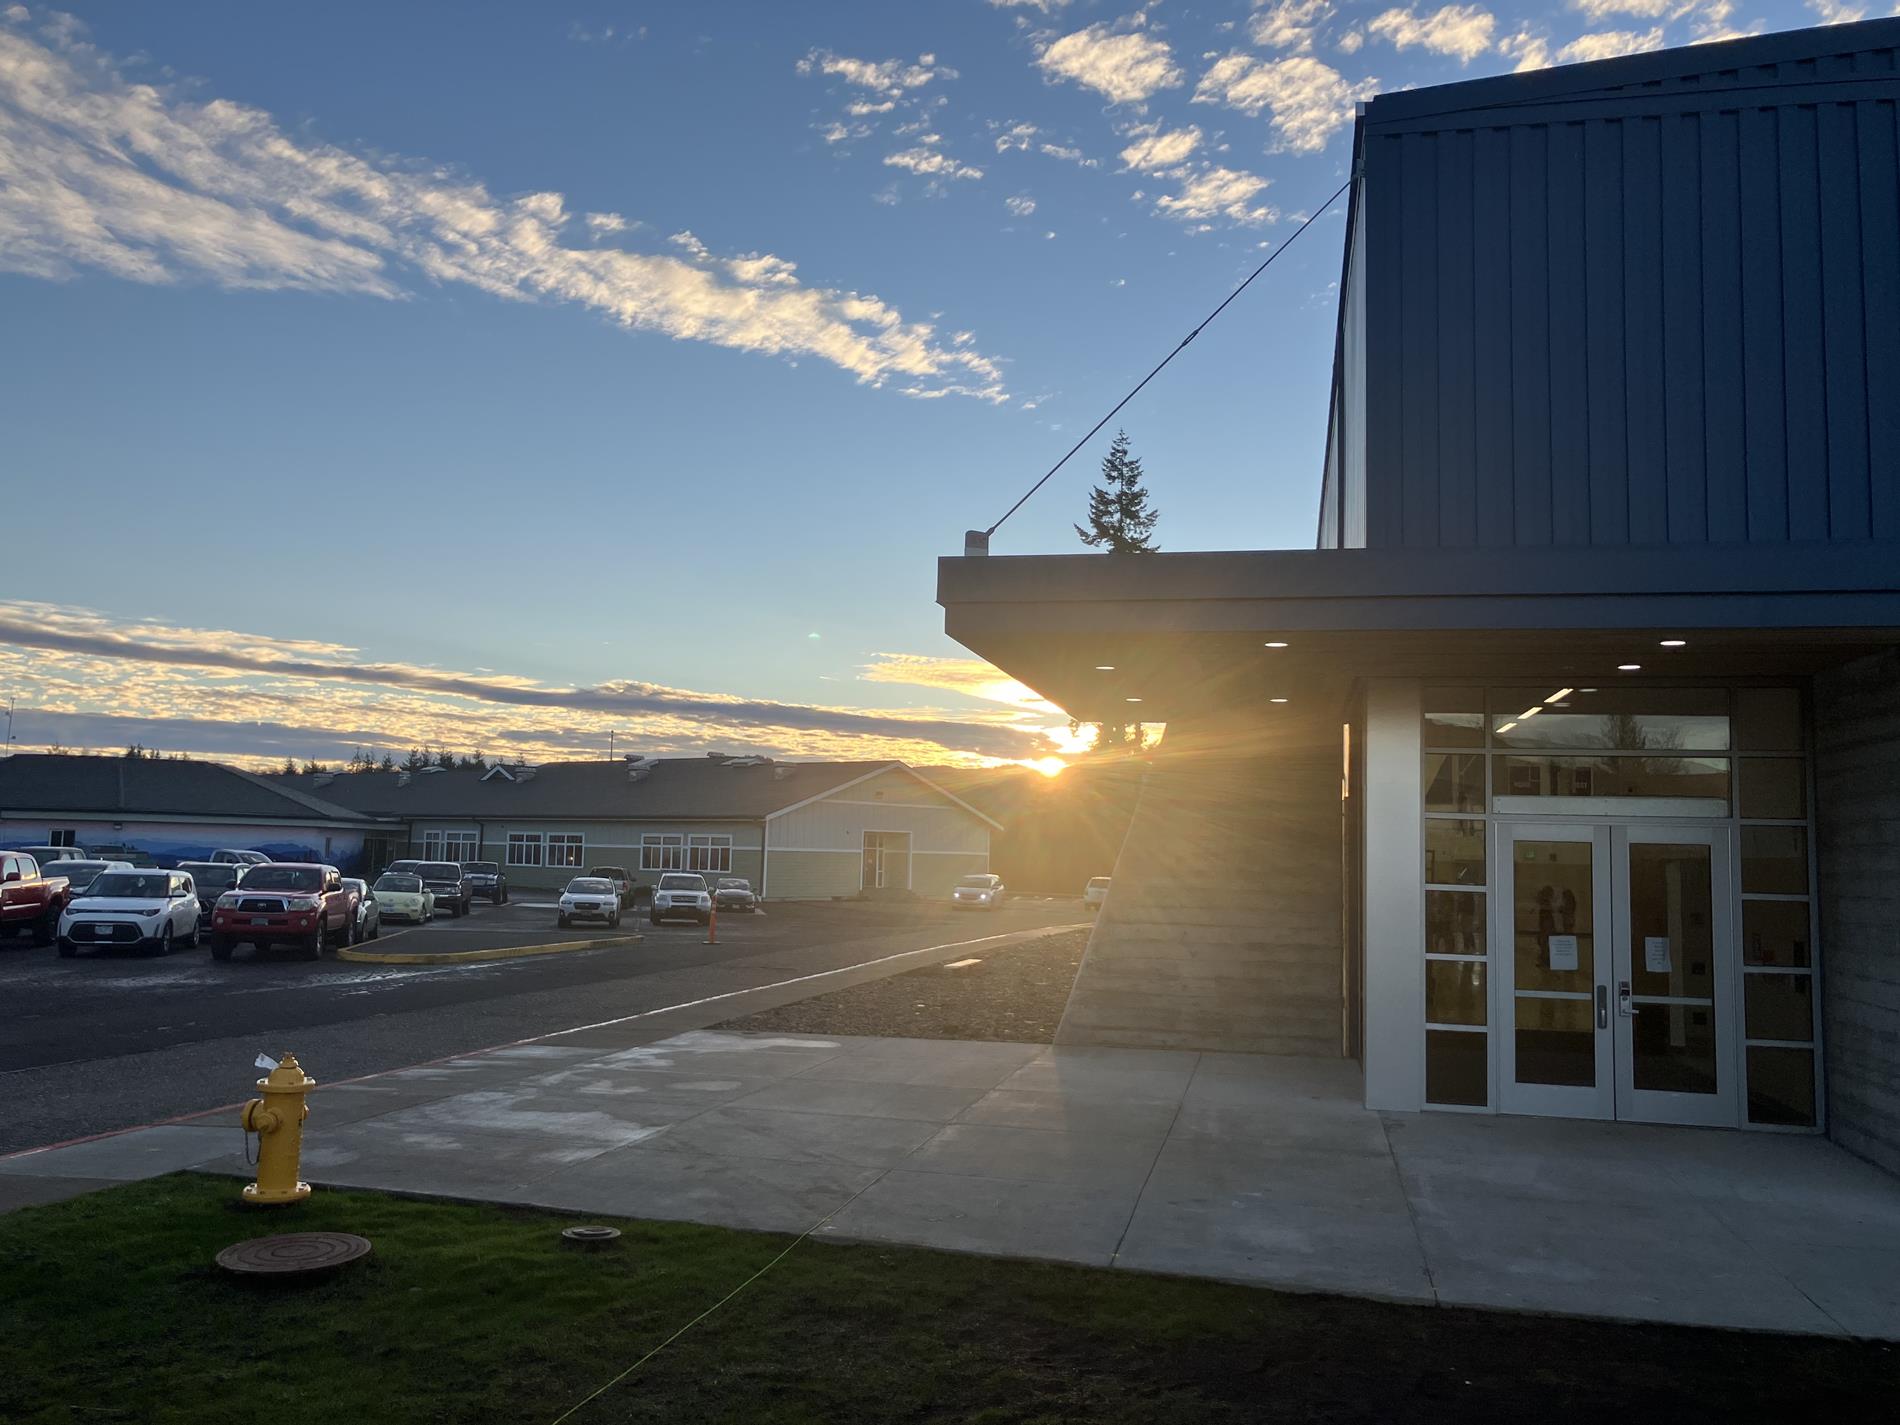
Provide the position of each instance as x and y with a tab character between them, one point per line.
1252	1169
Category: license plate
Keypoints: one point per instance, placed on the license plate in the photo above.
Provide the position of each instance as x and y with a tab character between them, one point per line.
260	920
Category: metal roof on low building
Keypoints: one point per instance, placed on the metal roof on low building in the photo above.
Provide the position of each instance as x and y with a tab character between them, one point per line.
670	789
159	787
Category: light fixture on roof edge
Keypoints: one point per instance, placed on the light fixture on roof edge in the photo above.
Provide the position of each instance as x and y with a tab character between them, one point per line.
1674	643
1275	644
1629	667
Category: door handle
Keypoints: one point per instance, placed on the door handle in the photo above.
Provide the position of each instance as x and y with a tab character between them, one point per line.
1624	1004
1603	1006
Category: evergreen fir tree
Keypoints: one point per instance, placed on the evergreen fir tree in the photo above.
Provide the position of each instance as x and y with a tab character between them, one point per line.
388	764
1120	519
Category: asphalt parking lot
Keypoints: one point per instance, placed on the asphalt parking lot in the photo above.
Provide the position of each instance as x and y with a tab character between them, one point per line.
114	1039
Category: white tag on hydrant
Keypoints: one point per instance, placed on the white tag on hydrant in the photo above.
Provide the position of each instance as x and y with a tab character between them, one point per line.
264	1061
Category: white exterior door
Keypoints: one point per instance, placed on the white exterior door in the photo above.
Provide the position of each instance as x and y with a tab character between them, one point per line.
1617	970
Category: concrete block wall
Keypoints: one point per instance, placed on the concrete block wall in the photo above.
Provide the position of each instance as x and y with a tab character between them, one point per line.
1857	830
1222	928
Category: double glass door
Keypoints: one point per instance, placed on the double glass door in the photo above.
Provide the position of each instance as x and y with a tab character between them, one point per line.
1617	972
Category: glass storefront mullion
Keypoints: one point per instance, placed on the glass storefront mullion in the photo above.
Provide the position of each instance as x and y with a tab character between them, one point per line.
1731	753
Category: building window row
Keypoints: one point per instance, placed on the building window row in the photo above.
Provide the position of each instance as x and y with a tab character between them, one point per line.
707	852
455	846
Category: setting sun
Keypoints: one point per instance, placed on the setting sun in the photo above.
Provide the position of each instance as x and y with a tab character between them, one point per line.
1048	766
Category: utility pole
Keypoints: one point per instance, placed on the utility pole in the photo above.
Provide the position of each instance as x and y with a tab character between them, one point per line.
610	745
9	727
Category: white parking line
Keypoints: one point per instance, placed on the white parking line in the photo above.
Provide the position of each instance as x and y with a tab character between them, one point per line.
806	979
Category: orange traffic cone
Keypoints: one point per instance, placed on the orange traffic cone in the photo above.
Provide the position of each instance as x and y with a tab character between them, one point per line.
712	926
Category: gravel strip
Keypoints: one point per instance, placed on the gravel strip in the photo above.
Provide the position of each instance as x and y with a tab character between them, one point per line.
1015	994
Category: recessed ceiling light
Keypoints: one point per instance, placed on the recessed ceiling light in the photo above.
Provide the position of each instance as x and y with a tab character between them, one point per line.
1560	695
1675	643
1104	667
1507	727
1276	700
1528	713
1275	644
1131	700
1628	667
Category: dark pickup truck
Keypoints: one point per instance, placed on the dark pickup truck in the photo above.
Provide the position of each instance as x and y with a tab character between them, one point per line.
30	902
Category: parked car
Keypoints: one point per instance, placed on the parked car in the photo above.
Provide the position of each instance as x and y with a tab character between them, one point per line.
30	900
453	890
80	874
233	856
297	903
47	855
590	898
1095	892
979	892
131	855
734	893
213	879
369	910
410	867
486	879
622	879
154	910
400	895
681	893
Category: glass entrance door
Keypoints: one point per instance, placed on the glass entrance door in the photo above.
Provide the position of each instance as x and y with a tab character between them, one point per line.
1617	972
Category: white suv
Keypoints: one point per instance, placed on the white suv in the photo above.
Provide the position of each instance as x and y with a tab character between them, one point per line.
155	910
1095	892
681	893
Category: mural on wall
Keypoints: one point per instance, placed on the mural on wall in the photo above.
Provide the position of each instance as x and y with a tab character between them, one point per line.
166	844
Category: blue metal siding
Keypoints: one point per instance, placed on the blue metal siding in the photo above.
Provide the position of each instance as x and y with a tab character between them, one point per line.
1655	313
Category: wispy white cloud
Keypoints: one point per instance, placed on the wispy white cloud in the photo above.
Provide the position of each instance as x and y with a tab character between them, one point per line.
884	76
1047	7
1463	31
1834	12
71	665
1068	153
1155	148
1119	60
1306	100
929	162
133	179
1021	205
1217	193
1016	136
1288	24
1532	51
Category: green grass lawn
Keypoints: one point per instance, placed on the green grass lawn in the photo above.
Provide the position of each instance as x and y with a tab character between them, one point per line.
111	1310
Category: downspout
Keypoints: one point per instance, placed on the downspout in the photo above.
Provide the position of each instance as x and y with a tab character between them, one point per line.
765	857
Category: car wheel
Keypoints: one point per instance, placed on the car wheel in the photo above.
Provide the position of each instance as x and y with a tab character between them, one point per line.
67	950
376	928
312	945
221	947
46	928
653	917
164	946
564	922
613	921
191	940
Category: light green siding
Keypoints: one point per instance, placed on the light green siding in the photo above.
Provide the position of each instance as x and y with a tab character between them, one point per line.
603	843
814	875
818	849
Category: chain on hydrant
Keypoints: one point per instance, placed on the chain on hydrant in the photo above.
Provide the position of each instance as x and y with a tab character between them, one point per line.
277	1120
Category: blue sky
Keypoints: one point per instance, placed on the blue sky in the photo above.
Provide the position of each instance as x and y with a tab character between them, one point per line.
496	375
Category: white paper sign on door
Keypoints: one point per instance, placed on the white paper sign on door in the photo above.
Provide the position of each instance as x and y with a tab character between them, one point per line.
1563	952
1656	954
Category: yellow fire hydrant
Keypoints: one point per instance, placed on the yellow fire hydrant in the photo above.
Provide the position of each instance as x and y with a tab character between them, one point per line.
277	1120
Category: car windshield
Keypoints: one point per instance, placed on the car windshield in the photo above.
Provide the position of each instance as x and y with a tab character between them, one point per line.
283	878
1099	883
439	871
980	882
481	868
682	883
611	873
590	886
79	873
213	876
734	883
130	884
400	882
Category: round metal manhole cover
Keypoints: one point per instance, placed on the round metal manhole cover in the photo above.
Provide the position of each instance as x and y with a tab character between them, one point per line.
590	1236
293	1254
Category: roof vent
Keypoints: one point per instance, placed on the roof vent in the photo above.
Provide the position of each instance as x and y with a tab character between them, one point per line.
779	774
402	779
323	779
498	771
431	771
525	774
745	762
638	774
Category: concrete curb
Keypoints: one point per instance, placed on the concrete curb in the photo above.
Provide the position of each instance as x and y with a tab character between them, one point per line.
500	952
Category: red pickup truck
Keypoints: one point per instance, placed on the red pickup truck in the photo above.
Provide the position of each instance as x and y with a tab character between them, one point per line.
285	903
29	901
